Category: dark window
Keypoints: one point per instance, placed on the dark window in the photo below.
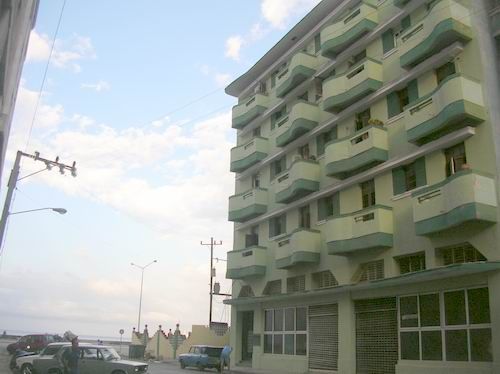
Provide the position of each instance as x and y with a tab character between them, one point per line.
304	217
445	71
296	284
256	131
304	152
454	305
460	254
410	346
362	119
368	193
372	270
405	23
408	177
396	101
408	309
479	305
277	225
324	279
323	138
413	263
456	345
277	117
455	159
432	347
273	78
317	43
278	166
388	43
357	58
328	206
429	310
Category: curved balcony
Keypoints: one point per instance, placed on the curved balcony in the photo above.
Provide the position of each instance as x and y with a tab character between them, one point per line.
300	247
337	37
247	205
465	197
301	179
251	108
351	155
401	3
367	229
303	117
340	91
249	154
447	22
302	66
246	263
455	103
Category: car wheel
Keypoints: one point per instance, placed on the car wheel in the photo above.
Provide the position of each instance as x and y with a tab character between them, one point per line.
200	366
183	365
27	369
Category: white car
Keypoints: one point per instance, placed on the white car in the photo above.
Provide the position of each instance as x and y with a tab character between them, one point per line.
25	363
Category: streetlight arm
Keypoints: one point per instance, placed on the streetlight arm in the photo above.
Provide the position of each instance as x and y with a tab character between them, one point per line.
57	210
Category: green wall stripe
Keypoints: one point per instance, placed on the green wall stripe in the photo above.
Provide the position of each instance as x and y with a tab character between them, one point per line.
244	214
298	189
298	127
243	120
343	100
331	47
464	213
372	241
240	165
249	271
298	75
349	166
297	258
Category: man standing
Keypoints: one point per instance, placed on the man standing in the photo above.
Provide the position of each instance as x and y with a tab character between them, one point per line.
71	356
225	358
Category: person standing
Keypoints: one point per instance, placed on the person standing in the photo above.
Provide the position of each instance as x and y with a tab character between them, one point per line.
71	356
225	358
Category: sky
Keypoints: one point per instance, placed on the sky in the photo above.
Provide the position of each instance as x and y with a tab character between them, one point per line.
134	94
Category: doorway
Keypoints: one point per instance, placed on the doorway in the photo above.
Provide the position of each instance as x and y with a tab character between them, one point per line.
246	336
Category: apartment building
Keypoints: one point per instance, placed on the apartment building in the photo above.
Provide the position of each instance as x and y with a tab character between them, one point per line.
366	203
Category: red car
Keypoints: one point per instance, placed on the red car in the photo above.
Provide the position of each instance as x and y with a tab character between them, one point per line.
32	343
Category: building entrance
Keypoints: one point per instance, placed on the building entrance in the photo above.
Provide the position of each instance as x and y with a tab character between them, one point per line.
247	336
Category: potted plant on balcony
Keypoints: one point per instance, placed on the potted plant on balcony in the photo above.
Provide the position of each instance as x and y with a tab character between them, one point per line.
375	122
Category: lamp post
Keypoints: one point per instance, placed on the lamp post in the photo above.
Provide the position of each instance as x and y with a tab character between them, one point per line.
140	297
57	210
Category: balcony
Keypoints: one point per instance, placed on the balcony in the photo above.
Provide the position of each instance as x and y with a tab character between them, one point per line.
301	247
245	112
301	179
456	102
302	66
367	229
246	263
249	154
303	117
401	3
247	205
447	22
337	37
465	197
340	91
363	150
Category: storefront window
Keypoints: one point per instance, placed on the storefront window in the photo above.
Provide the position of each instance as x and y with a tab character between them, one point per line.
285	331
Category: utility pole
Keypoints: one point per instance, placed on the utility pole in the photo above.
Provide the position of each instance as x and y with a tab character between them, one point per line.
14	178
211	244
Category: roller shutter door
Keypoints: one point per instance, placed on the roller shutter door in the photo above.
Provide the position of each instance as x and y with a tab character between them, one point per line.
323	337
376	336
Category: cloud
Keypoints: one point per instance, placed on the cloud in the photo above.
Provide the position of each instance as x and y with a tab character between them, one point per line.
98	87
278	12
66	54
233	47
220	79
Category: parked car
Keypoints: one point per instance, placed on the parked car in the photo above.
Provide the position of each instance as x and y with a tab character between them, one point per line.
24	363
202	357
32	343
94	359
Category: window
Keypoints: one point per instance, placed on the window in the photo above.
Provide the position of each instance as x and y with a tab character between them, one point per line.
256	132
388	42
324	138
273	78
328	206
255	181
277	225
273	287
246	291
357	58
304	152
405	23
252	239
455	159
277	117
278	166
409	177
445	71
396	101
318	87
362	119
446	326
368	193
304	217
296	284
409	264
371	271
317	43
324	279
460	254
285	331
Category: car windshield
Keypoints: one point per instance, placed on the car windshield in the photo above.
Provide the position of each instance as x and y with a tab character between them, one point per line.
109	354
213	352
50	350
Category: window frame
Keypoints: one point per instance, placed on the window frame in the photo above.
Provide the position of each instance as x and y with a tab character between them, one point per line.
285	332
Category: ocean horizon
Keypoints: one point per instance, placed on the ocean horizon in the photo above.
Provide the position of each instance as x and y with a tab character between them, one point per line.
81	336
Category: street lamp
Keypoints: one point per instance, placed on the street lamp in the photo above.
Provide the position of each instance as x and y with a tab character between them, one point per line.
140	297
57	210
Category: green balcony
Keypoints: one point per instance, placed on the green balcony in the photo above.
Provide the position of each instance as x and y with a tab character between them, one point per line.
362	79
302	66
303	117
340	35
247	205
364	230
401	3
246	263
351	155
301	179
300	247
447	22
248	110
465	197
456	102
244	156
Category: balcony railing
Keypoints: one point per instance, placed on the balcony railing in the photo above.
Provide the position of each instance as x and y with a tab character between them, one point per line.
467	196
303	117
367	229
246	155
301	179
447	22
455	103
250	109
362	79
300	247
302	66
246	263
247	205
338	36
363	150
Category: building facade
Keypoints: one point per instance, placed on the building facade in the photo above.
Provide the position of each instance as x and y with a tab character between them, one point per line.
366	234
